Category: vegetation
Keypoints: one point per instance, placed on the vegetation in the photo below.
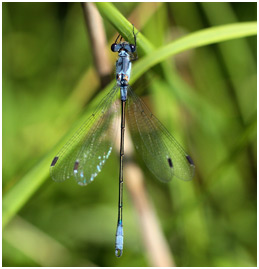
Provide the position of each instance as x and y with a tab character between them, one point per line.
198	64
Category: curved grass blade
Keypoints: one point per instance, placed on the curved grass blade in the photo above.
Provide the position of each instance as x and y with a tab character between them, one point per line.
19	194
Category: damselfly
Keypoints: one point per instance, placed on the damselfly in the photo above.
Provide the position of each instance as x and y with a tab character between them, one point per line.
84	155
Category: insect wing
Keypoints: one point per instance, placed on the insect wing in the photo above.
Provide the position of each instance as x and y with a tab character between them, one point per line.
160	151
84	155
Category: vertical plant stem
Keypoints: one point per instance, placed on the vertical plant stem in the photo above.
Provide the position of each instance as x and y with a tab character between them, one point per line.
97	35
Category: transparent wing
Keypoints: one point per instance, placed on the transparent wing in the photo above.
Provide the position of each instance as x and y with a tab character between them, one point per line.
84	155
160	151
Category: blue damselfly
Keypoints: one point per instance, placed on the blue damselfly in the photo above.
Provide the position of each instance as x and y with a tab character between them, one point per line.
84	155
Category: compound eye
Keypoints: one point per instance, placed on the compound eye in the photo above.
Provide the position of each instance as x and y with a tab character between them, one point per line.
132	48
114	47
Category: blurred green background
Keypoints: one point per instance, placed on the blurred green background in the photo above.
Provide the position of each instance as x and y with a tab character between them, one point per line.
48	80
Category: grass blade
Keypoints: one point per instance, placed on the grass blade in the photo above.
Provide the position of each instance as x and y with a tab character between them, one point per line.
19	194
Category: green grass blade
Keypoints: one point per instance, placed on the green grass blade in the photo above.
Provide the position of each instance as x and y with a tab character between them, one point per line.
198	39
194	40
123	26
17	196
